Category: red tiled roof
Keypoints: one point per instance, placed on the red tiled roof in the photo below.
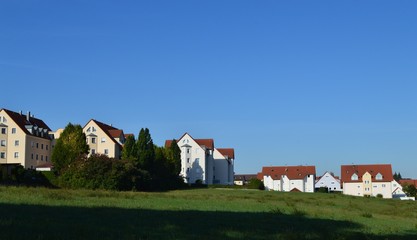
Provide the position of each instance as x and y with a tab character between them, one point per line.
292	172
227	152
115	133
408	182
260	176
208	143
129	134
21	121
384	169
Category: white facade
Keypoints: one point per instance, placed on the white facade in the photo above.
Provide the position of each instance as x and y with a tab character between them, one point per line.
196	161
285	184
223	168
398	192
330	182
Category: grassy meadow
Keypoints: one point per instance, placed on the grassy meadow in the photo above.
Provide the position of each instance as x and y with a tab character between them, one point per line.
40	213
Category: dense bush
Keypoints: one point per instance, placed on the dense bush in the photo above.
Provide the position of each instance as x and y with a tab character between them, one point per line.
102	172
255	183
18	175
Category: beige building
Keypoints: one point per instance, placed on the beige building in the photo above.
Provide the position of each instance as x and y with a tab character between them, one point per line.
24	140
104	139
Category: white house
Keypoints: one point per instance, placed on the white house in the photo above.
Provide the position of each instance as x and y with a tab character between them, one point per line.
289	178
398	192
223	166
200	161
329	181
367	180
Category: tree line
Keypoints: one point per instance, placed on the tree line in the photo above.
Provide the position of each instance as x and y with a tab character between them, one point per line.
144	166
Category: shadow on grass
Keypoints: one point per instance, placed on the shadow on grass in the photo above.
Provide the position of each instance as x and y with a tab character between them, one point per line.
57	222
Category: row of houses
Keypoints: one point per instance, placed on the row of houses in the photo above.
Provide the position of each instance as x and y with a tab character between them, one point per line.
356	180
28	141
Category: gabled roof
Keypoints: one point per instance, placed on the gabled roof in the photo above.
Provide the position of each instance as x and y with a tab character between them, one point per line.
21	121
331	174
292	172
208	143
384	169
108	130
129	134
227	152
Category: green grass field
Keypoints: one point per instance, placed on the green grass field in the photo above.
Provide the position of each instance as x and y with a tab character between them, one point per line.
38	213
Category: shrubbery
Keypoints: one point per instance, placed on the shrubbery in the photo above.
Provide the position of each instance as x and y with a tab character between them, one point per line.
255	183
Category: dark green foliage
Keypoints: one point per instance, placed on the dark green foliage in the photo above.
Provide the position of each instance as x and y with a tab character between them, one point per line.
129	151
70	145
410	190
379	195
323	190
145	150
25	177
397	176
255	183
175	157
102	172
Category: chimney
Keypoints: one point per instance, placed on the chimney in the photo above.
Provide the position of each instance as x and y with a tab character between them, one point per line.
21	113
28	116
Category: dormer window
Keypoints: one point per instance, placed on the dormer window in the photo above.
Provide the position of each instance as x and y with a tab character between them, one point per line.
379	176
354	177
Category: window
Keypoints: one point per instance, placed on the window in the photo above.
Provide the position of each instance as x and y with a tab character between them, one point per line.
188	169
88	130
13	130
16	155
31	156
42	146
4	120
37	157
188	160
3	130
32	143
41	157
47	147
2	155
3	143
16	143
46	158
93	140
94	129
354	177
188	150
103	140
37	145
383	185
379	176
93	151
106	151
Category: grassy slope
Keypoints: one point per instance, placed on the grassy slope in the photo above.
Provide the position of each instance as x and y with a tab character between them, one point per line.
205	214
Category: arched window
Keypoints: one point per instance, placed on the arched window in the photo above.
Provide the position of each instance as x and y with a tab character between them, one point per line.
379	176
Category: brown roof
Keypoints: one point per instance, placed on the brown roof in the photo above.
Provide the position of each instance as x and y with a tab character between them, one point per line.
129	134
21	121
45	165
208	143
115	133
384	169
227	152
408	182
292	172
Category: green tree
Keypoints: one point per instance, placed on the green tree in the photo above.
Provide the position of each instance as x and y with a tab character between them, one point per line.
175	157
410	190
145	153
129	151
69	146
397	176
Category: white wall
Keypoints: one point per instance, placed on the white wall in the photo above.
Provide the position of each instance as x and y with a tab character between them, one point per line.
354	189
222	169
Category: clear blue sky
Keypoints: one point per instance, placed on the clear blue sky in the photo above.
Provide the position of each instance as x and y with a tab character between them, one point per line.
283	82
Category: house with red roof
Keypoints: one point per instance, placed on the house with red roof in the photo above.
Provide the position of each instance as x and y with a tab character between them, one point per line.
201	161
367	180
24	140
289	178
104	139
